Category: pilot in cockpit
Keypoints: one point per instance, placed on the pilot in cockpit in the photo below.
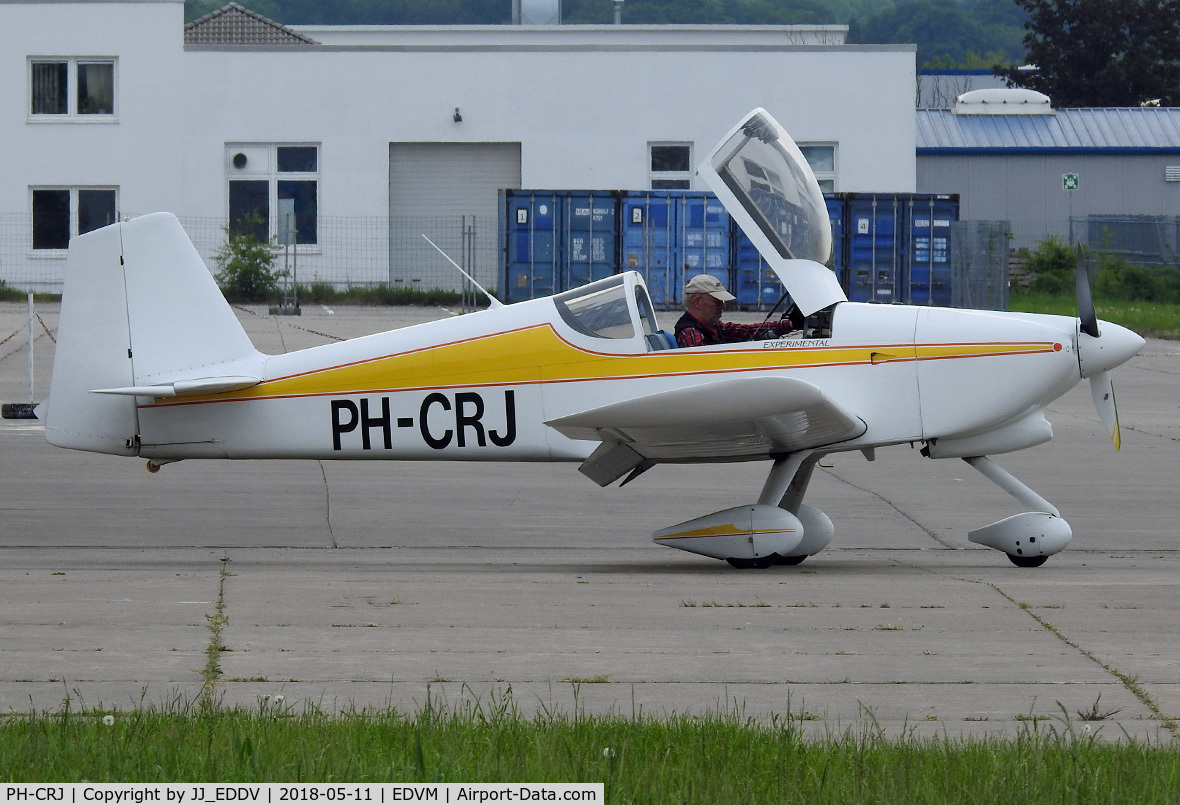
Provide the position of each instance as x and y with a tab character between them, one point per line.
701	325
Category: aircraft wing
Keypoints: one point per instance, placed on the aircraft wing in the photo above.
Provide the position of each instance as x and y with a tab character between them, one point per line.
738	418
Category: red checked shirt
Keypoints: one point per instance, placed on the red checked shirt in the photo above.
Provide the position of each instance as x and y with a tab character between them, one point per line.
691	333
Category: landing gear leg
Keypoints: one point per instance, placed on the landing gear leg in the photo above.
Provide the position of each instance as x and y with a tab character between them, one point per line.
817	528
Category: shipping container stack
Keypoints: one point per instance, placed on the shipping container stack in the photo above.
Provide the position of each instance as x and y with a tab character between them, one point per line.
887	247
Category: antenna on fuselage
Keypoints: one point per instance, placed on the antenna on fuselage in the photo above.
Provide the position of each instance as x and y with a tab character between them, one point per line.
493	302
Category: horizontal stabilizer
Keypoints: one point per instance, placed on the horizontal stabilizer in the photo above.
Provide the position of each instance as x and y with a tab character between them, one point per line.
181	388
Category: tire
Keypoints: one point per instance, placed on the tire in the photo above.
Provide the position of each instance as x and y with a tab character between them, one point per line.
760	563
1028	561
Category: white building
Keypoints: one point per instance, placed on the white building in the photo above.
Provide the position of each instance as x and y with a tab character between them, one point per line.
377	134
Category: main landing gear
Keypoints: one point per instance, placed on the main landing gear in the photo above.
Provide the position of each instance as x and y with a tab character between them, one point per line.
777	530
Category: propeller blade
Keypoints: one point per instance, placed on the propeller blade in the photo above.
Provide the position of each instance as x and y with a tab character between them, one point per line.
1085	299
1102	390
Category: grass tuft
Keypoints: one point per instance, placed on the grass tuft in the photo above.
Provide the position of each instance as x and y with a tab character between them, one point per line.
716	757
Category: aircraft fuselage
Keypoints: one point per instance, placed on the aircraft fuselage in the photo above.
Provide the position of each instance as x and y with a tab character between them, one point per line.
912	374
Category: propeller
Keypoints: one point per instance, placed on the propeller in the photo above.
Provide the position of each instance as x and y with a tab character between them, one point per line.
1086	312
1102	390
1098	354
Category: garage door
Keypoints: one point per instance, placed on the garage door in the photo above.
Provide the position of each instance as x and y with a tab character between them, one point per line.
450	193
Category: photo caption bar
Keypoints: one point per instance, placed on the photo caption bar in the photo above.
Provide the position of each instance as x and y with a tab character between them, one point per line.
267	793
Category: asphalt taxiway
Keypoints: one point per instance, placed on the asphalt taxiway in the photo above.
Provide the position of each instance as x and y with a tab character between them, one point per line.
367	585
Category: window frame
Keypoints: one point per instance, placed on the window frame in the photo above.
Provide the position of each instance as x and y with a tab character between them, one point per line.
831	177
669	180
72	113
274	178
72	215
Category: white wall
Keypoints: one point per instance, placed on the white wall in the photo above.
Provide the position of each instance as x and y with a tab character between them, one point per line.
138	152
584	117
584	103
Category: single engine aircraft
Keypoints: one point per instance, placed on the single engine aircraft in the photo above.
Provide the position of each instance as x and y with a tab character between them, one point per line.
151	362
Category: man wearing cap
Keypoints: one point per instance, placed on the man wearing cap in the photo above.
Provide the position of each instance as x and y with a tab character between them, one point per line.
704	302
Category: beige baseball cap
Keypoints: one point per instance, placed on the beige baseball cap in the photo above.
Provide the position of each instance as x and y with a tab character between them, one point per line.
706	283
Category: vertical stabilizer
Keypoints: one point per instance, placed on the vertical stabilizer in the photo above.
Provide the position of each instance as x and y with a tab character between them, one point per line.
139	310
180	324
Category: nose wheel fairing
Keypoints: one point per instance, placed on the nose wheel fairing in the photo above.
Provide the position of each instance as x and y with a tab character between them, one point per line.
1028	538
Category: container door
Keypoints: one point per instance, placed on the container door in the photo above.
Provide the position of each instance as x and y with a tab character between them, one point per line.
532	249
704	235
874	222
647	225
590	243
929	250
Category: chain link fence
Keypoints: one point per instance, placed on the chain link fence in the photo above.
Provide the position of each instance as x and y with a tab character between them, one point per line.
979	264
353	252
349	252
1144	240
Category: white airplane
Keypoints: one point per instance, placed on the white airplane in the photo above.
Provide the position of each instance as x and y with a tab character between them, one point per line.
151	362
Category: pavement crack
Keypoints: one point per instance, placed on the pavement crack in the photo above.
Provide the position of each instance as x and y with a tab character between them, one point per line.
217	620
328	505
944	543
282	341
1129	682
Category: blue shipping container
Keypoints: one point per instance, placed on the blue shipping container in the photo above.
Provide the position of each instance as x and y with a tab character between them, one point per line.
929	249
887	247
670	235
758	286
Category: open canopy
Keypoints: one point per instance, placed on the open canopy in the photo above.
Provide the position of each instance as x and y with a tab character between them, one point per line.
765	183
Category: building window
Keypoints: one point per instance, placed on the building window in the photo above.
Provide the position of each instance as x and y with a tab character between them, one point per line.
59	213
267	179
69	88
670	166
822	159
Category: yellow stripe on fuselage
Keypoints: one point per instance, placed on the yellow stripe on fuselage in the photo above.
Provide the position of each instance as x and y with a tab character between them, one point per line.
537	354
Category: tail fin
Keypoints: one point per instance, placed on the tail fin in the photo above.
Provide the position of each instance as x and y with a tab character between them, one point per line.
140	316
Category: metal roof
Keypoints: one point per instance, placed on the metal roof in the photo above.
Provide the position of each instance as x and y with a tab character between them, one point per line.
1096	131
234	25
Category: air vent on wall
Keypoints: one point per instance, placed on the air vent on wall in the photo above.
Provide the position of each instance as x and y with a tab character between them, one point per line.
1172	173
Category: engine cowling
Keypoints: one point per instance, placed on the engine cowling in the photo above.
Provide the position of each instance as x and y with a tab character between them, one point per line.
742	532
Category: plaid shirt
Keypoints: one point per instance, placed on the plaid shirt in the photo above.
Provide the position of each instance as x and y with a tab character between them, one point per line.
691	333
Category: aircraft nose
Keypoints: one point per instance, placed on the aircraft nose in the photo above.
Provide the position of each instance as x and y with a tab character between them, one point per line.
1115	346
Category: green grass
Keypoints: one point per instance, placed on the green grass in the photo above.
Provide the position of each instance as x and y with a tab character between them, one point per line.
1155	319
723	757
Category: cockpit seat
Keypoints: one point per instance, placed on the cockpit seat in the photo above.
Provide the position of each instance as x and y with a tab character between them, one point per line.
661	339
